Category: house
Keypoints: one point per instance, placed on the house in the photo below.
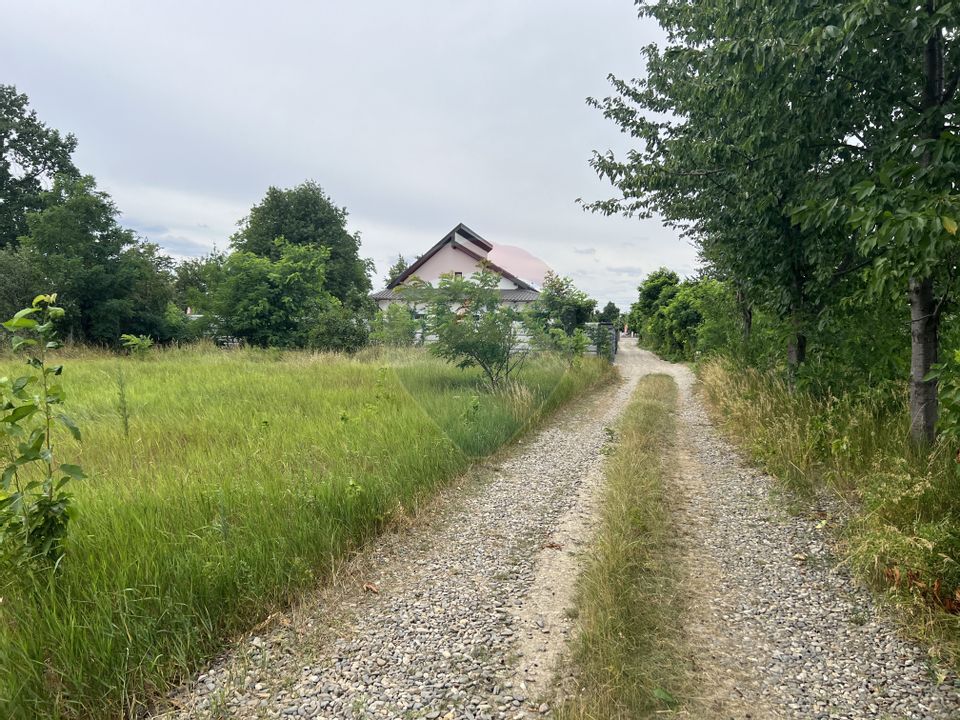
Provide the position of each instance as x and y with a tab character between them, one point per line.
462	252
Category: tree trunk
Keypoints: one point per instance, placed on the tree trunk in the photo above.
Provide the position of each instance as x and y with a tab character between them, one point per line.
746	316
924	316
796	352
924	344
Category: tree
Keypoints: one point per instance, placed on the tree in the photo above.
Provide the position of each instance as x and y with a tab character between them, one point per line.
561	305
20	277
729	144
609	314
195	279
673	327
656	290
305	215
472	328
900	194
397	269
31	156
273	302
109	282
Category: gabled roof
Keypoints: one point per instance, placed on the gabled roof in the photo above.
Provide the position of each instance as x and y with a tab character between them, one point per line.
451	237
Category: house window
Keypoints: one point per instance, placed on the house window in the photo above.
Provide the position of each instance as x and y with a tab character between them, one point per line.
458	276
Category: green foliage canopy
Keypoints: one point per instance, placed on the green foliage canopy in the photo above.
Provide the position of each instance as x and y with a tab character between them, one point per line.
561	305
31	156
472	328
306	216
109	281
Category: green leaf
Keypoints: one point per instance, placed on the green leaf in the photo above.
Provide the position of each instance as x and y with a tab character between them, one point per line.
20	323
70	425
949	224
7	476
24	411
24	313
660	694
74	471
21	342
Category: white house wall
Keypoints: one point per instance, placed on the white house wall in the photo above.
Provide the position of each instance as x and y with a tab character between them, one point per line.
446	260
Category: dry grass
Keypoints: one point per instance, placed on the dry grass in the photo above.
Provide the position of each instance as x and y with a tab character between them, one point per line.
628	656
898	513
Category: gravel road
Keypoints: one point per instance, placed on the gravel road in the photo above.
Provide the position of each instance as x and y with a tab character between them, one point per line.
462	615
778	627
444	633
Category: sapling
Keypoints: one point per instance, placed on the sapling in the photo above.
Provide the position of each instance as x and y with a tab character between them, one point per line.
122	409
34	504
137	345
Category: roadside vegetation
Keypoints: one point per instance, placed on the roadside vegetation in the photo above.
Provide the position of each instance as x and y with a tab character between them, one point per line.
811	152
836	426
220	485
896	509
628	655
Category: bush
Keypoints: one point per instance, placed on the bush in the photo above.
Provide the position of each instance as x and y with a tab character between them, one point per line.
337	329
395	327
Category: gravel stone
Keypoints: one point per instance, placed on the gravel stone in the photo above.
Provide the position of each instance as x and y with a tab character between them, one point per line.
783	631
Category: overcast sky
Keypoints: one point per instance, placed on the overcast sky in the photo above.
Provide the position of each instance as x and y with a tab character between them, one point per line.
415	115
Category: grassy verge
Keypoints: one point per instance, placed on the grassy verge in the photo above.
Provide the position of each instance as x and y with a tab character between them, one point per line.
900	519
628	657
222	484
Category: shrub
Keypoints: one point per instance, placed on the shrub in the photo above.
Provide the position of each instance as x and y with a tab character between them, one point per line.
395	327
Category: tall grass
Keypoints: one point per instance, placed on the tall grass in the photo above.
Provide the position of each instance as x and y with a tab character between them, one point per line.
899	508
628	657
222	484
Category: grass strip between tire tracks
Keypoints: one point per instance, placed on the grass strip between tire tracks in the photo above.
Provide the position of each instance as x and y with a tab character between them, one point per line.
628	658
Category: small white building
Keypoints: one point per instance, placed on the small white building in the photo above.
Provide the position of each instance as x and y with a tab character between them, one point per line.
462	252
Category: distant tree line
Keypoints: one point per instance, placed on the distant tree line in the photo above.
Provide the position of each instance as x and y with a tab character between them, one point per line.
812	153
293	277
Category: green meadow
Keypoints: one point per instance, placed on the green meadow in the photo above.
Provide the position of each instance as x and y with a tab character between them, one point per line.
222	485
